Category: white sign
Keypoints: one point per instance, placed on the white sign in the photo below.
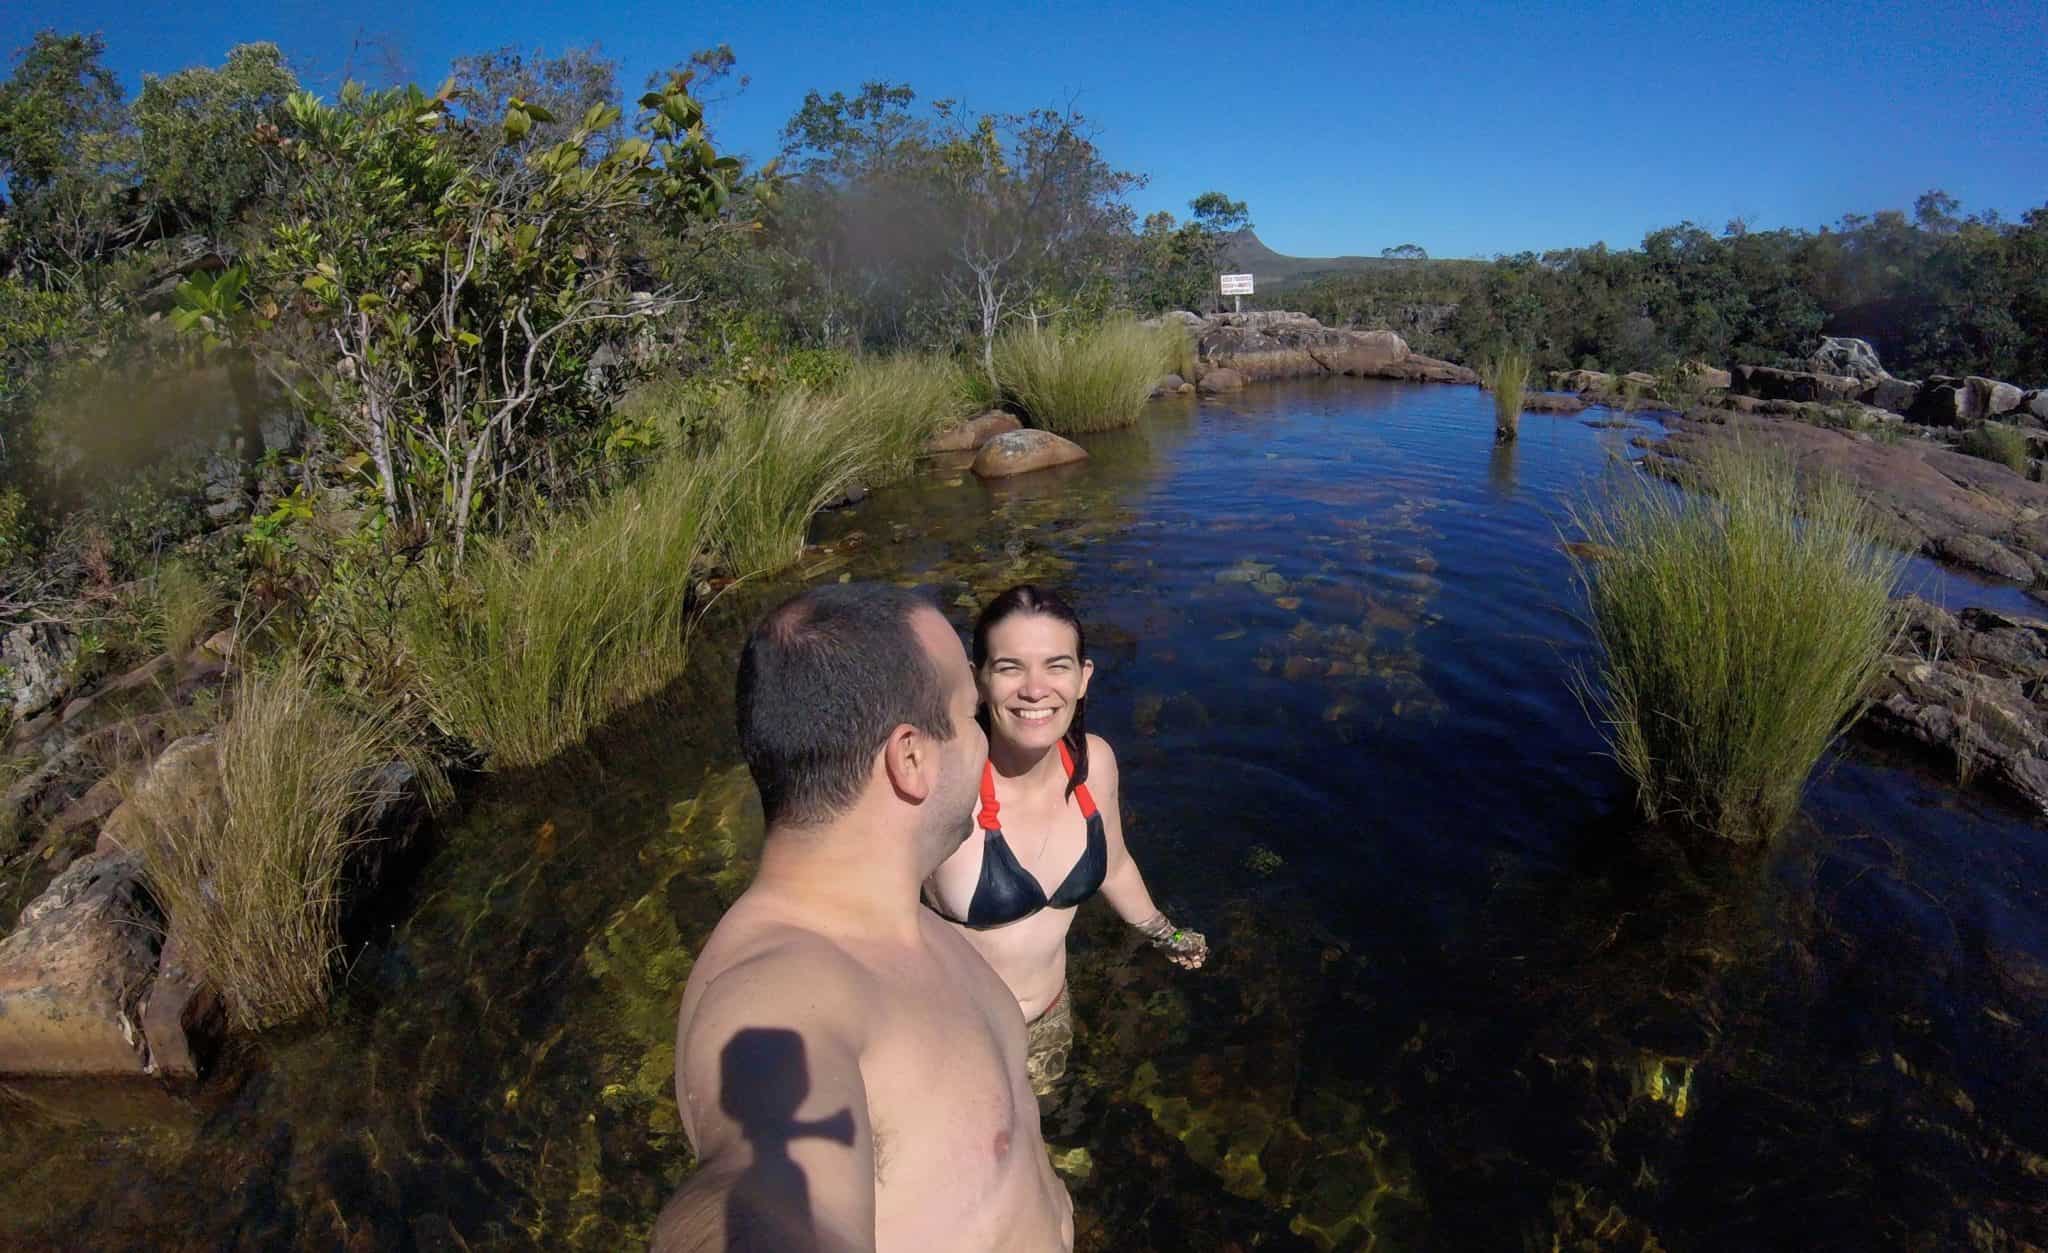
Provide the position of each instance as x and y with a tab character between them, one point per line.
1237	284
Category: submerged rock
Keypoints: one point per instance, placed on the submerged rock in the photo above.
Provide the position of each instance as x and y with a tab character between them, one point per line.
1219	380
1020	452
1552	402
73	974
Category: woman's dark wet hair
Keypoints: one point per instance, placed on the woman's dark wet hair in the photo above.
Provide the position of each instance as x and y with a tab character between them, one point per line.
1031	598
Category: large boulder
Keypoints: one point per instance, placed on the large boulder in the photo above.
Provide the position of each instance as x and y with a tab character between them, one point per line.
1769	383
1268	345
1890	394
36	662
1170	385
1020	452
74	972
1946	401
1219	380
1712	377
1993	397
1416	368
974	432
1552	402
2034	404
1855	358
1579	381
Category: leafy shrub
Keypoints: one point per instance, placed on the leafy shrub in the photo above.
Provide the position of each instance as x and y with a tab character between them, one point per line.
1092	379
250	860
1738	635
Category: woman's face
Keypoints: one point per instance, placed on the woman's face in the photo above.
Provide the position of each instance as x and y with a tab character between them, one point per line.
1032	678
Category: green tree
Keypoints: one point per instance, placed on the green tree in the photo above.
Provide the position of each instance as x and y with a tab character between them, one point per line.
203	159
67	154
456	295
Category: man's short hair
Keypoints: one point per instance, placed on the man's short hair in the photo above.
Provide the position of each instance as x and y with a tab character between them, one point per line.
824	679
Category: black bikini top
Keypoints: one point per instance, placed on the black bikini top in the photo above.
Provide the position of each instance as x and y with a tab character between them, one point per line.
1007	891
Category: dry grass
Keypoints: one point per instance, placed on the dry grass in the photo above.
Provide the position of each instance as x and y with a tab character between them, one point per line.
891	406
250	860
1739	634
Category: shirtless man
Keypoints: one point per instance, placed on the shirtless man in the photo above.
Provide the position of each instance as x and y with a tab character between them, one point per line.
850	1071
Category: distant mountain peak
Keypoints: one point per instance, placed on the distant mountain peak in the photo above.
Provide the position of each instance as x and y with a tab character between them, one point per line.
1244	252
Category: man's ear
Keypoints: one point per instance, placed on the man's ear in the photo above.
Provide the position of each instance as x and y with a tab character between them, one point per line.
911	762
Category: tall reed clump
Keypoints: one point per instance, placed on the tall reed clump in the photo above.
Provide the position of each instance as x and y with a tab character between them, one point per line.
1738	634
1506	375
251	860
1094	379
529	647
779	460
892	405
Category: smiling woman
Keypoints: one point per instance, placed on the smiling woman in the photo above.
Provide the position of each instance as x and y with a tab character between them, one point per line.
1031	660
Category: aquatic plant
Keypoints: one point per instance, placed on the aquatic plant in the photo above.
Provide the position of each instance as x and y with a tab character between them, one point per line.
1997	442
1506	375
1739	633
531	646
1094	379
250	860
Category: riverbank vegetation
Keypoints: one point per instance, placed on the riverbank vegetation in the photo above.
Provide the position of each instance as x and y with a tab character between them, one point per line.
1738	634
1093	378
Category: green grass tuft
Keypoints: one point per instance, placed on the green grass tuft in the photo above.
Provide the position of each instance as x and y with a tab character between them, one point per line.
1997	442
891	406
185	605
1094	379
250	861
528	648
1506	375
1738	633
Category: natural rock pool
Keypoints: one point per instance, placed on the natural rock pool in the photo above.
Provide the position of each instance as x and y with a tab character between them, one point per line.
1456	1001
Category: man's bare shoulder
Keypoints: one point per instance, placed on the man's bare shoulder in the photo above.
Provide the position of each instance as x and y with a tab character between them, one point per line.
757	961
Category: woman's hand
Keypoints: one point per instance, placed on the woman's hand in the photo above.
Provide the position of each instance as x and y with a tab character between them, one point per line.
1186	949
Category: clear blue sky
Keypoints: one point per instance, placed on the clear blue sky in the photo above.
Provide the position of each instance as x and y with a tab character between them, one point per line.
1470	129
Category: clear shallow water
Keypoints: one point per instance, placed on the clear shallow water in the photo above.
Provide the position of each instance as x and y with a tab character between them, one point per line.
1456	1001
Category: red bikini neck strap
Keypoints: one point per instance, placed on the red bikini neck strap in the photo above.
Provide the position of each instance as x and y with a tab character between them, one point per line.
986	819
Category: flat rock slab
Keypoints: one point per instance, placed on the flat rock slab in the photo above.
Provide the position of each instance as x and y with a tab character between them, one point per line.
1970	685
1958	509
73	974
1552	402
974	432
1020	452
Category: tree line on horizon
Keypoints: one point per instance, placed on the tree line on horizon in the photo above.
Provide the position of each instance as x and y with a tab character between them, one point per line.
1936	291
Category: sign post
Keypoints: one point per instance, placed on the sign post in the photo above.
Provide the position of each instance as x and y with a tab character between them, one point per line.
1238	285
